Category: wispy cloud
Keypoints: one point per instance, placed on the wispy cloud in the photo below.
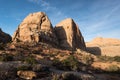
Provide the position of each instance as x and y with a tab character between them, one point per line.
42	3
55	14
101	22
97	17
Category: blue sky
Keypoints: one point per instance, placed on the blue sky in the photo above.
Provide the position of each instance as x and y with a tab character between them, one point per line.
96	18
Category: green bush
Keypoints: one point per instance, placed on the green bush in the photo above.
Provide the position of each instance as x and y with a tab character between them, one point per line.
55	77
2	46
105	58
66	76
108	58
87	59
113	68
30	60
117	58
6	57
24	68
56	62
40	68
70	76
69	63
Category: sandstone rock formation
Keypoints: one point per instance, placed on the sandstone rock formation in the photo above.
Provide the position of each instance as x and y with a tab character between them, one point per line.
4	37
104	46
69	35
35	27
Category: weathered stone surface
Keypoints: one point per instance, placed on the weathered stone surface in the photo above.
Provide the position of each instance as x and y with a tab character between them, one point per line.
29	75
35	27
69	35
4	37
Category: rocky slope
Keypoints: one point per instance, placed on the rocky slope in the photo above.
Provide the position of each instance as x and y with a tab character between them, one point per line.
104	46
4	37
30	61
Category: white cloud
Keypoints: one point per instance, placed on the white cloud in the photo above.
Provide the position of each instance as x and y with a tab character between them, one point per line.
18	19
42	3
102	22
54	13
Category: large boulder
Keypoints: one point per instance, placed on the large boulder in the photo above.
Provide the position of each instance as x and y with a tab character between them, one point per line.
4	37
36	27
28	75
69	35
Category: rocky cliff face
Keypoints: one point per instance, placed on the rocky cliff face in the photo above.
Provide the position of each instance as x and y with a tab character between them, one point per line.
35	27
69	35
4	37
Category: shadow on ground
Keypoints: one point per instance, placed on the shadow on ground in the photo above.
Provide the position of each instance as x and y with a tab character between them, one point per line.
94	50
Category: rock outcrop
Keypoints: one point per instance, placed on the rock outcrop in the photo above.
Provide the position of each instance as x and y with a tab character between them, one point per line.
4	37
28	75
36	27
69	35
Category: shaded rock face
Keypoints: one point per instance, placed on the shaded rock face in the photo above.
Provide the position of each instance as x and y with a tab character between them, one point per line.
69	35
4	37
35	27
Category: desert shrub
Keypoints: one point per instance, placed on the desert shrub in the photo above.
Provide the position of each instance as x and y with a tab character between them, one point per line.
66	76
8	73
40	68
6	57
51	55
55	77
56	62
36	51
113	68
87	59
2	46
108	58
69	63
117	58
23	67
30	60
70	76
19	56
105	58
